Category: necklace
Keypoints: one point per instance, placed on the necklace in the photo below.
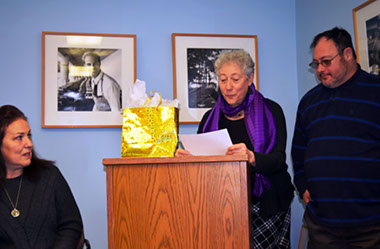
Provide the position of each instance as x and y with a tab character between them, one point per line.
15	213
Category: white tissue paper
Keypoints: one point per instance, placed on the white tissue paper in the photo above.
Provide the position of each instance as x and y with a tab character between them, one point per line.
136	97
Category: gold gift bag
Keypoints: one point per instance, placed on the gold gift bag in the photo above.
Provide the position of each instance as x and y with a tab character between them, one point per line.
149	131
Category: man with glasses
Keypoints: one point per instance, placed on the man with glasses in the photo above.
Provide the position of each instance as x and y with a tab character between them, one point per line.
336	148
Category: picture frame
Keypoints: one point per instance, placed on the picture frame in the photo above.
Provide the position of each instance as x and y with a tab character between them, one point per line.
367	35
84	76
195	83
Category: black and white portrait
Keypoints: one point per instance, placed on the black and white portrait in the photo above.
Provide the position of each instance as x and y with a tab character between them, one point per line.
89	79
202	79
373	37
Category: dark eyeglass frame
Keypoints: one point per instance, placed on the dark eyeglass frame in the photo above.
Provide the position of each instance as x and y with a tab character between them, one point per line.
325	63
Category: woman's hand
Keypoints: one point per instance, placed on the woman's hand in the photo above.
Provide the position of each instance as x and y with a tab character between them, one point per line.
181	152
241	149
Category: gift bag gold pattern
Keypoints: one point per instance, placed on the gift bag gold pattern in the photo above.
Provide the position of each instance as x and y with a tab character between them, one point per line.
149	132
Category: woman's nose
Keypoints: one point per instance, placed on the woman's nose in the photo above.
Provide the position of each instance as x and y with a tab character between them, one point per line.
228	84
28	142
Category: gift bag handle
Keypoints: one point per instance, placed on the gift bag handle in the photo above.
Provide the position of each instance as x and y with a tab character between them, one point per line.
150	98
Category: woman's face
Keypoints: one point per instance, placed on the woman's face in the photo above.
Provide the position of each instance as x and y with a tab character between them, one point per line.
16	147
233	83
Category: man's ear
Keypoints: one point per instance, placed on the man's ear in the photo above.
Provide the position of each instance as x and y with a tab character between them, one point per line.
348	54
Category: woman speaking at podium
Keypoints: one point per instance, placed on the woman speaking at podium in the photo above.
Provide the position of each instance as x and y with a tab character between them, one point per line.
257	128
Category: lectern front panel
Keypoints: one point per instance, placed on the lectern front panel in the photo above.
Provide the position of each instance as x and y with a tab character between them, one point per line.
178	205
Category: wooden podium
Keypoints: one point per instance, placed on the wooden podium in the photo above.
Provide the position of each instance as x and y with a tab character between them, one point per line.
196	202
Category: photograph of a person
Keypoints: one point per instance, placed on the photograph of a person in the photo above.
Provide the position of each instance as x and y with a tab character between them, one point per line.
88	79
202	79
373	37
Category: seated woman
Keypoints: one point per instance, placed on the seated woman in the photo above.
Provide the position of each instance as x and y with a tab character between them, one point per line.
257	128
37	208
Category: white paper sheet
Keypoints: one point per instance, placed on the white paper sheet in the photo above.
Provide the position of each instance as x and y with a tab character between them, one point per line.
210	143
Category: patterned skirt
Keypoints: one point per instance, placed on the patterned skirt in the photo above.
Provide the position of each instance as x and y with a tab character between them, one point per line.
271	233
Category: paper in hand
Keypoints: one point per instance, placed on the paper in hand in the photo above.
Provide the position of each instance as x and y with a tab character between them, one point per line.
210	143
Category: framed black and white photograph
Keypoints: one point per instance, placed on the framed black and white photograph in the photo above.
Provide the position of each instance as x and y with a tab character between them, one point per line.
367	35
195	80
84	77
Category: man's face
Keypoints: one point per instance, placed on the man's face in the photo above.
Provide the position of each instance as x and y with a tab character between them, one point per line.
90	61
335	74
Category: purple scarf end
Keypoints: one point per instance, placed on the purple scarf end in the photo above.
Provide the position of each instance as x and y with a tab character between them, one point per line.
261	183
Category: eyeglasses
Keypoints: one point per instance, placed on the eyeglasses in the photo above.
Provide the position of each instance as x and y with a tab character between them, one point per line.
325	63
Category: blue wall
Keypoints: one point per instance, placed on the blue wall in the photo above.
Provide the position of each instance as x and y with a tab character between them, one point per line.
284	29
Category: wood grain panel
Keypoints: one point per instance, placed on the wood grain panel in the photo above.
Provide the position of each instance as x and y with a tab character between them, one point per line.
179	205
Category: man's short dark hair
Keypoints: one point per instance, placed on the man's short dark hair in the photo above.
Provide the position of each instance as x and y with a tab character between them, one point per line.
340	37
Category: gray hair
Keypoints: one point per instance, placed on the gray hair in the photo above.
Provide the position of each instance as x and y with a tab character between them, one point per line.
240	57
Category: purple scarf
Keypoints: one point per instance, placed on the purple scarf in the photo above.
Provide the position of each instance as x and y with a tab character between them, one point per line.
259	123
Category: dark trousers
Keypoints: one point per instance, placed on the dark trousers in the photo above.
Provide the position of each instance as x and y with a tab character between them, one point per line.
322	237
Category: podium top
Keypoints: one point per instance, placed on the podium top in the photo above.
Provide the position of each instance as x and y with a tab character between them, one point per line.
168	160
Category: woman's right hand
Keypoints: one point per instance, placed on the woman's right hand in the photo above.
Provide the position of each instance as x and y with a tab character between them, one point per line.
181	152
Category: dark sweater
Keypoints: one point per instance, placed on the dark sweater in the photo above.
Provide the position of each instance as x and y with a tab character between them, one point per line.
336	151
49	217
272	165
